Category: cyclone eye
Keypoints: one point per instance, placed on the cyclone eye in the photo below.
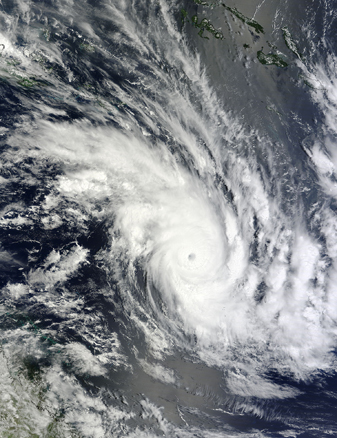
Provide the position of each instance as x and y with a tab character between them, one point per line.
191	257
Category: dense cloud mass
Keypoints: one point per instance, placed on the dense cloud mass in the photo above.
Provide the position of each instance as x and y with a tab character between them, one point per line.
168	219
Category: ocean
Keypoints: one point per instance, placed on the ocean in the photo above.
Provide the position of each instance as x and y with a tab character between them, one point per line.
168	218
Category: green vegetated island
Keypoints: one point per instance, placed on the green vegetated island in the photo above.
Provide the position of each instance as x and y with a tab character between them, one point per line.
207	29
